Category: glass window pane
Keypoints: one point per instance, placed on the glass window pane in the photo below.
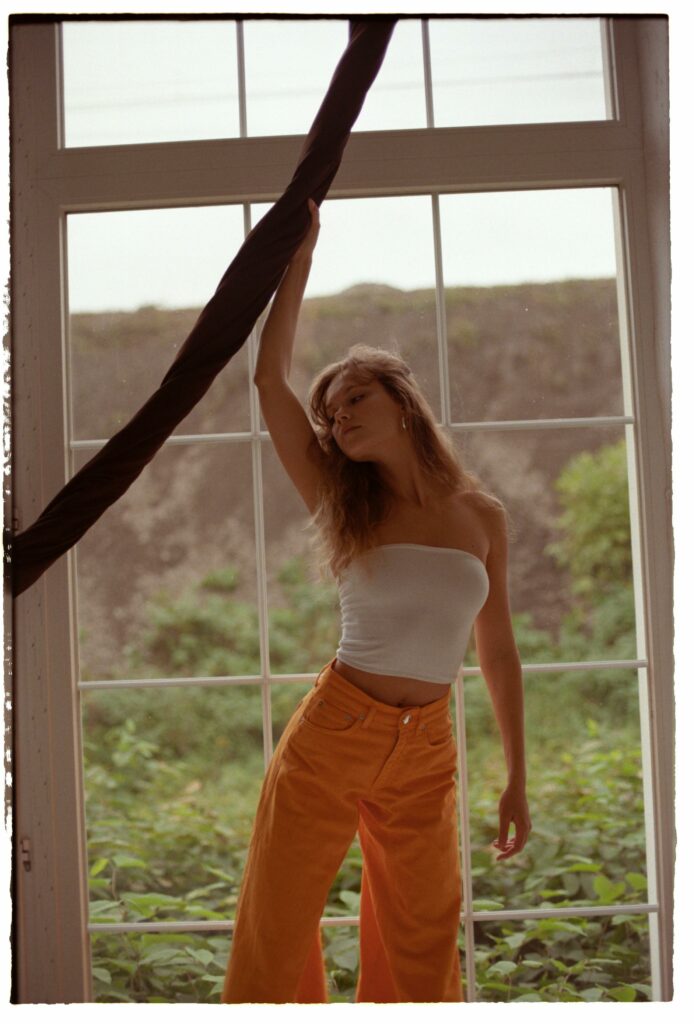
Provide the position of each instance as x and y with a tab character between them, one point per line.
531	304
149	81
289	65
570	568
585	793
516	70
166	578
172	780
581	959
137	282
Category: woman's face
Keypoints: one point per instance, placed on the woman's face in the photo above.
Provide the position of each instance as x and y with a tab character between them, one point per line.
365	420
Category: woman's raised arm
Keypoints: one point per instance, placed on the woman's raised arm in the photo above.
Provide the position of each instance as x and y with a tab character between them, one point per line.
277	336
293	436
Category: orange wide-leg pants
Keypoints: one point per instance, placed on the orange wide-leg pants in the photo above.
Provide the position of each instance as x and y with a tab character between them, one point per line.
346	763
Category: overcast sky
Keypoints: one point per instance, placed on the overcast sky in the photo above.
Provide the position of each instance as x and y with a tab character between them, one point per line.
153	81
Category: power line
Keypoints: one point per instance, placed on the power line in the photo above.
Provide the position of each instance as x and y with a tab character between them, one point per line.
232	97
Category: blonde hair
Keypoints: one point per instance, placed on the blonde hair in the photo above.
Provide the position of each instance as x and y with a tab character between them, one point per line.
353	498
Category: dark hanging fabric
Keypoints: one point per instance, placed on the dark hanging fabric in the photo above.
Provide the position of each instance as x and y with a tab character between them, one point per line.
223	325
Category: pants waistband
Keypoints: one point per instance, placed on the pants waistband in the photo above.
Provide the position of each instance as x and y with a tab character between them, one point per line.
359	703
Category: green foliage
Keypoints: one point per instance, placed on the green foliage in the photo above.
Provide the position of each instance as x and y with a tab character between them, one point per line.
563	960
198	634
209	632
596	542
224	580
159	968
588	830
304	632
462	333
595	546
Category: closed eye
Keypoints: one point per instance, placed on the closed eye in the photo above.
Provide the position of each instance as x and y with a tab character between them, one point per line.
354	398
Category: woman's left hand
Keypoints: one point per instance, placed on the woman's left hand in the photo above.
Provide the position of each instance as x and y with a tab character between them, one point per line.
513	807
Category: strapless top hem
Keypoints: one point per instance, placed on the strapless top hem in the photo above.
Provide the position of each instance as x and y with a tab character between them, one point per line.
430	547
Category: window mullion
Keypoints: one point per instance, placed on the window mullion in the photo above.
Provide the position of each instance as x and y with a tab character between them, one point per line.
241	72
465	840
428	87
259	521
608	68
633	320
441	334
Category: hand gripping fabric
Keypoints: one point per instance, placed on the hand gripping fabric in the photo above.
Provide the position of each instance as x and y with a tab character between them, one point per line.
223	325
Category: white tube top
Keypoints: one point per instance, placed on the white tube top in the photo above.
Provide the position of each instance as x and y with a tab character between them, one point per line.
408	609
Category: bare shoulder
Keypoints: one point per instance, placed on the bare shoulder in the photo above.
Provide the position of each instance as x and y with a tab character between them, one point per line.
488	512
475	521
482	501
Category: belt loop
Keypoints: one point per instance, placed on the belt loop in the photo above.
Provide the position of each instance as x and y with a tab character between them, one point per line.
369	715
322	674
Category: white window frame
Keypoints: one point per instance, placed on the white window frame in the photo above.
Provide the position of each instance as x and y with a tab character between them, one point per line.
628	152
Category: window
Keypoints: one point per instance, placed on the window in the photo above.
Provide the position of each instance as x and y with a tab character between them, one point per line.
172	625
159	81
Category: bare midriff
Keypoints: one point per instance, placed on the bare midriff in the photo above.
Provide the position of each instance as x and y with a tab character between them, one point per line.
400	691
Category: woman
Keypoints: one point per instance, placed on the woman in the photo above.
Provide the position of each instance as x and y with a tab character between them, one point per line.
419	552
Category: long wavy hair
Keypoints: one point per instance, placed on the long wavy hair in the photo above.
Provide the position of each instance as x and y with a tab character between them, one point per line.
353	498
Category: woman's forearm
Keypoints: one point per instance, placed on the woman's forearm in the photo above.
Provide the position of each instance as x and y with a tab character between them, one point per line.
504	680
277	335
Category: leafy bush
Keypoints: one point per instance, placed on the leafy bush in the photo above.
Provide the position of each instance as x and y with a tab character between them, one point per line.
563	960
595	544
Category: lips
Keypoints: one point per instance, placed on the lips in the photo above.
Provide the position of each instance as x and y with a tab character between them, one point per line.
349	430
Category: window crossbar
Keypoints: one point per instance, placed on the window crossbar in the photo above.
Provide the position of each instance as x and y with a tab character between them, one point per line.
632	909
93	444
309	677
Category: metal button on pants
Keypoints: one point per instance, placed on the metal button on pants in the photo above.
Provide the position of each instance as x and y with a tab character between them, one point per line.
347	763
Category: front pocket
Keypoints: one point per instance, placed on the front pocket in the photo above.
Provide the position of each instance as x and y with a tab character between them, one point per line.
321	714
438	734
